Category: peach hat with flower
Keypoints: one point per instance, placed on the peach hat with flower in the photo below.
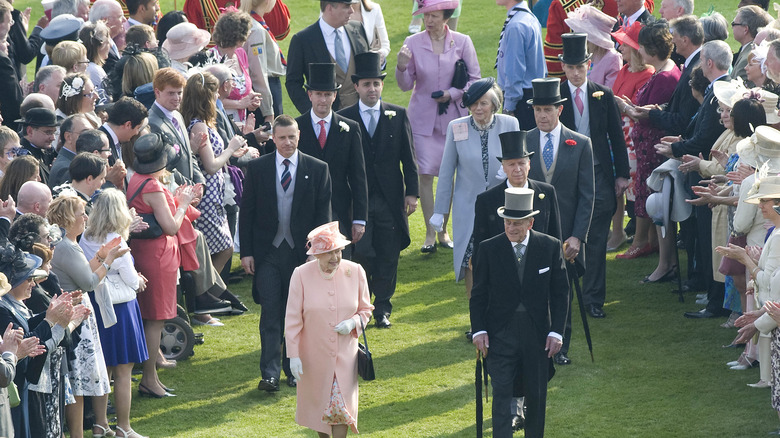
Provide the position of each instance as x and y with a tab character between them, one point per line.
326	238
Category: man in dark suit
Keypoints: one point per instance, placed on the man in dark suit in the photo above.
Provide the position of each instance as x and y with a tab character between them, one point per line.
518	310
38	128
392	196
336	140
565	160
516	162
631	11
333	38
590	109
125	120
286	195
701	134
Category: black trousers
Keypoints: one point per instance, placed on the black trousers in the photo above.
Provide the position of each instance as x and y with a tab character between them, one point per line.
270	289
594	282
378	251
516	349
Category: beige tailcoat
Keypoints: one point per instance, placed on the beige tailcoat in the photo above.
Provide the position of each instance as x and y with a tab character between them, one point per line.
314	307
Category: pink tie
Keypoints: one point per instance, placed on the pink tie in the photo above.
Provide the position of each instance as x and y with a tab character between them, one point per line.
323	136
578	101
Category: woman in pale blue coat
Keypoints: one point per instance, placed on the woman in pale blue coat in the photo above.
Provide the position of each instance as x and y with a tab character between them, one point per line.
471	150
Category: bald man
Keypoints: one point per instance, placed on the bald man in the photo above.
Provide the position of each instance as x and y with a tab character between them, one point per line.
35	100
34	197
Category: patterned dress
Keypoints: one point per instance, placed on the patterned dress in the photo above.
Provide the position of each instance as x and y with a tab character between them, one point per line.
213	219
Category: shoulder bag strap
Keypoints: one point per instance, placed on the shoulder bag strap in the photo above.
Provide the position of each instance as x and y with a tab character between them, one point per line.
138	191
365	340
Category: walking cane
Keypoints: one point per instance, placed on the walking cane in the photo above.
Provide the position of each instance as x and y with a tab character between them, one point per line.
585	327
480	375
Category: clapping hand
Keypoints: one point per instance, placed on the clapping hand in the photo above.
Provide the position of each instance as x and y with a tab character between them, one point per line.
690	163
137	224
30	347
199	140
738	175
721	157
8	208
80	313
107	247
11	339
773	309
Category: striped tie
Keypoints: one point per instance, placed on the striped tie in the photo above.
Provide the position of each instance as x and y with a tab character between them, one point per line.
512	13
286	177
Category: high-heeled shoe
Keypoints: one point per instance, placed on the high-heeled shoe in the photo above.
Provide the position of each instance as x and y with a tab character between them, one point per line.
668	276
105	432
146	392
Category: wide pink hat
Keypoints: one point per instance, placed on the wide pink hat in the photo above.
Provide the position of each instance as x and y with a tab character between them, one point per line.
424	6
589	20
185	40
326	238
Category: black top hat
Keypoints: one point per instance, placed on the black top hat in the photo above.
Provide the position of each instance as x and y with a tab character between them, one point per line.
322	77
39	117
547	91
150	154
476	90
368	66
575	49
64	29
513	145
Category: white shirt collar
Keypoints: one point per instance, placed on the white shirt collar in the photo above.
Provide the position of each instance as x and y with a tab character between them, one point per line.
636	15
111	132
316	119
132	21
573	89
524	241
168	114
556	132
509	185
326	28
363	107
690	58
293	159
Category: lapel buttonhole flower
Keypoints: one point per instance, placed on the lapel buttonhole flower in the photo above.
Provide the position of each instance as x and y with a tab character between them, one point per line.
390	114
598	94
541	195
344	127
571	142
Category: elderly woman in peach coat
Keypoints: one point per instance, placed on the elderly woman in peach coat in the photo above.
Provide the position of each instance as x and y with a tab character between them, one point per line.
328	299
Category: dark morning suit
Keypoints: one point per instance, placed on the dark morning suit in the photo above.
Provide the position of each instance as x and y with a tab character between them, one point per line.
186	164
11	94
308	46
22	49
643	18
674	119
116	148
574	185
609	148
487	222
45	158
258	224
701	134
387	228
519	304
343	152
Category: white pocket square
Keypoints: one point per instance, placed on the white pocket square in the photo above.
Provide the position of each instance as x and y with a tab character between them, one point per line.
543	270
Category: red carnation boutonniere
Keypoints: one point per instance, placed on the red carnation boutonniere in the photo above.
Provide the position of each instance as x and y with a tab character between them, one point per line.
571	142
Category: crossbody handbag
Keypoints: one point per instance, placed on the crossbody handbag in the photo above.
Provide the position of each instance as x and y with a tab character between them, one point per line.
365	361
154	231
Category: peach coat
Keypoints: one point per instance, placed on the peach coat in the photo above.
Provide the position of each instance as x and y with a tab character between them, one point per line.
314	307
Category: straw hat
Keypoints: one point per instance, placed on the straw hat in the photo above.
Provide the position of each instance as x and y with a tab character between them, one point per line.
589	20
185	40
765	188
326	238
518	204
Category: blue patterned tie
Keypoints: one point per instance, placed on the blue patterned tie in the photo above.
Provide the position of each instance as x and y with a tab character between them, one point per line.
286	177
547	152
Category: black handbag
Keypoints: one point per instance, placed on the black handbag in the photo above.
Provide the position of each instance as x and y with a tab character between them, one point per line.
154	231
365	361
461	76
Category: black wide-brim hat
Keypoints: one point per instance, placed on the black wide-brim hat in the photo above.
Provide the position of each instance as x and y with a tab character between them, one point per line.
475	91
547	91
322	77
368	65
575	49
513	145
39	117
150	154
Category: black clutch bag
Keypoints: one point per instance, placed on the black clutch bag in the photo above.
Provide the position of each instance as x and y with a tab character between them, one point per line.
461	76
365	361
154	231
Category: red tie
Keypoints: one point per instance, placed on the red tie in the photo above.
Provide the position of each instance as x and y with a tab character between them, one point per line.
323	135
578	101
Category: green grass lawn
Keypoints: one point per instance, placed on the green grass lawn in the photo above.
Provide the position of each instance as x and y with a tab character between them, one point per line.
656	374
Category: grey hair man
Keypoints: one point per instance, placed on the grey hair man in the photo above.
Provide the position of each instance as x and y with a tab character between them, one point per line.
111	12
745	28
48	81
77	8
671	9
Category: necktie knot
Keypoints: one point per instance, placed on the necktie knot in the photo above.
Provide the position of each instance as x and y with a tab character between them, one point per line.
286	163
286	176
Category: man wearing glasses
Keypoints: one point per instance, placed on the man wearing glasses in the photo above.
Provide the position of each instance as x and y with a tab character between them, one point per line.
70	130
744	28
39	126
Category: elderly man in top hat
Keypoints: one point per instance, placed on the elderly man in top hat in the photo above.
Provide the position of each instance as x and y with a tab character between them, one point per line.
333	38
518	310
590	109
563	158
39	127
516	162
336	140
392	195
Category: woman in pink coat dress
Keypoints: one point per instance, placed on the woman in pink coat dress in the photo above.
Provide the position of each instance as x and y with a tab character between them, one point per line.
426	62
327	301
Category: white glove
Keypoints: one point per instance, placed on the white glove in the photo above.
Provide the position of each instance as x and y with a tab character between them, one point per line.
296	366
437	222
345	326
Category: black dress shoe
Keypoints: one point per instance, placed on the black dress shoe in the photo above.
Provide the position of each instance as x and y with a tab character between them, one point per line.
428	249
270	384
292	382
518	423
596	311
703	313
383	322
207	303
561	359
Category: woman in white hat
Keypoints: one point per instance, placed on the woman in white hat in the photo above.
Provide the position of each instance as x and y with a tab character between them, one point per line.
327	308
606	61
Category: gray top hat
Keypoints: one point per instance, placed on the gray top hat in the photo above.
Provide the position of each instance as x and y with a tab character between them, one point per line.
518	204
